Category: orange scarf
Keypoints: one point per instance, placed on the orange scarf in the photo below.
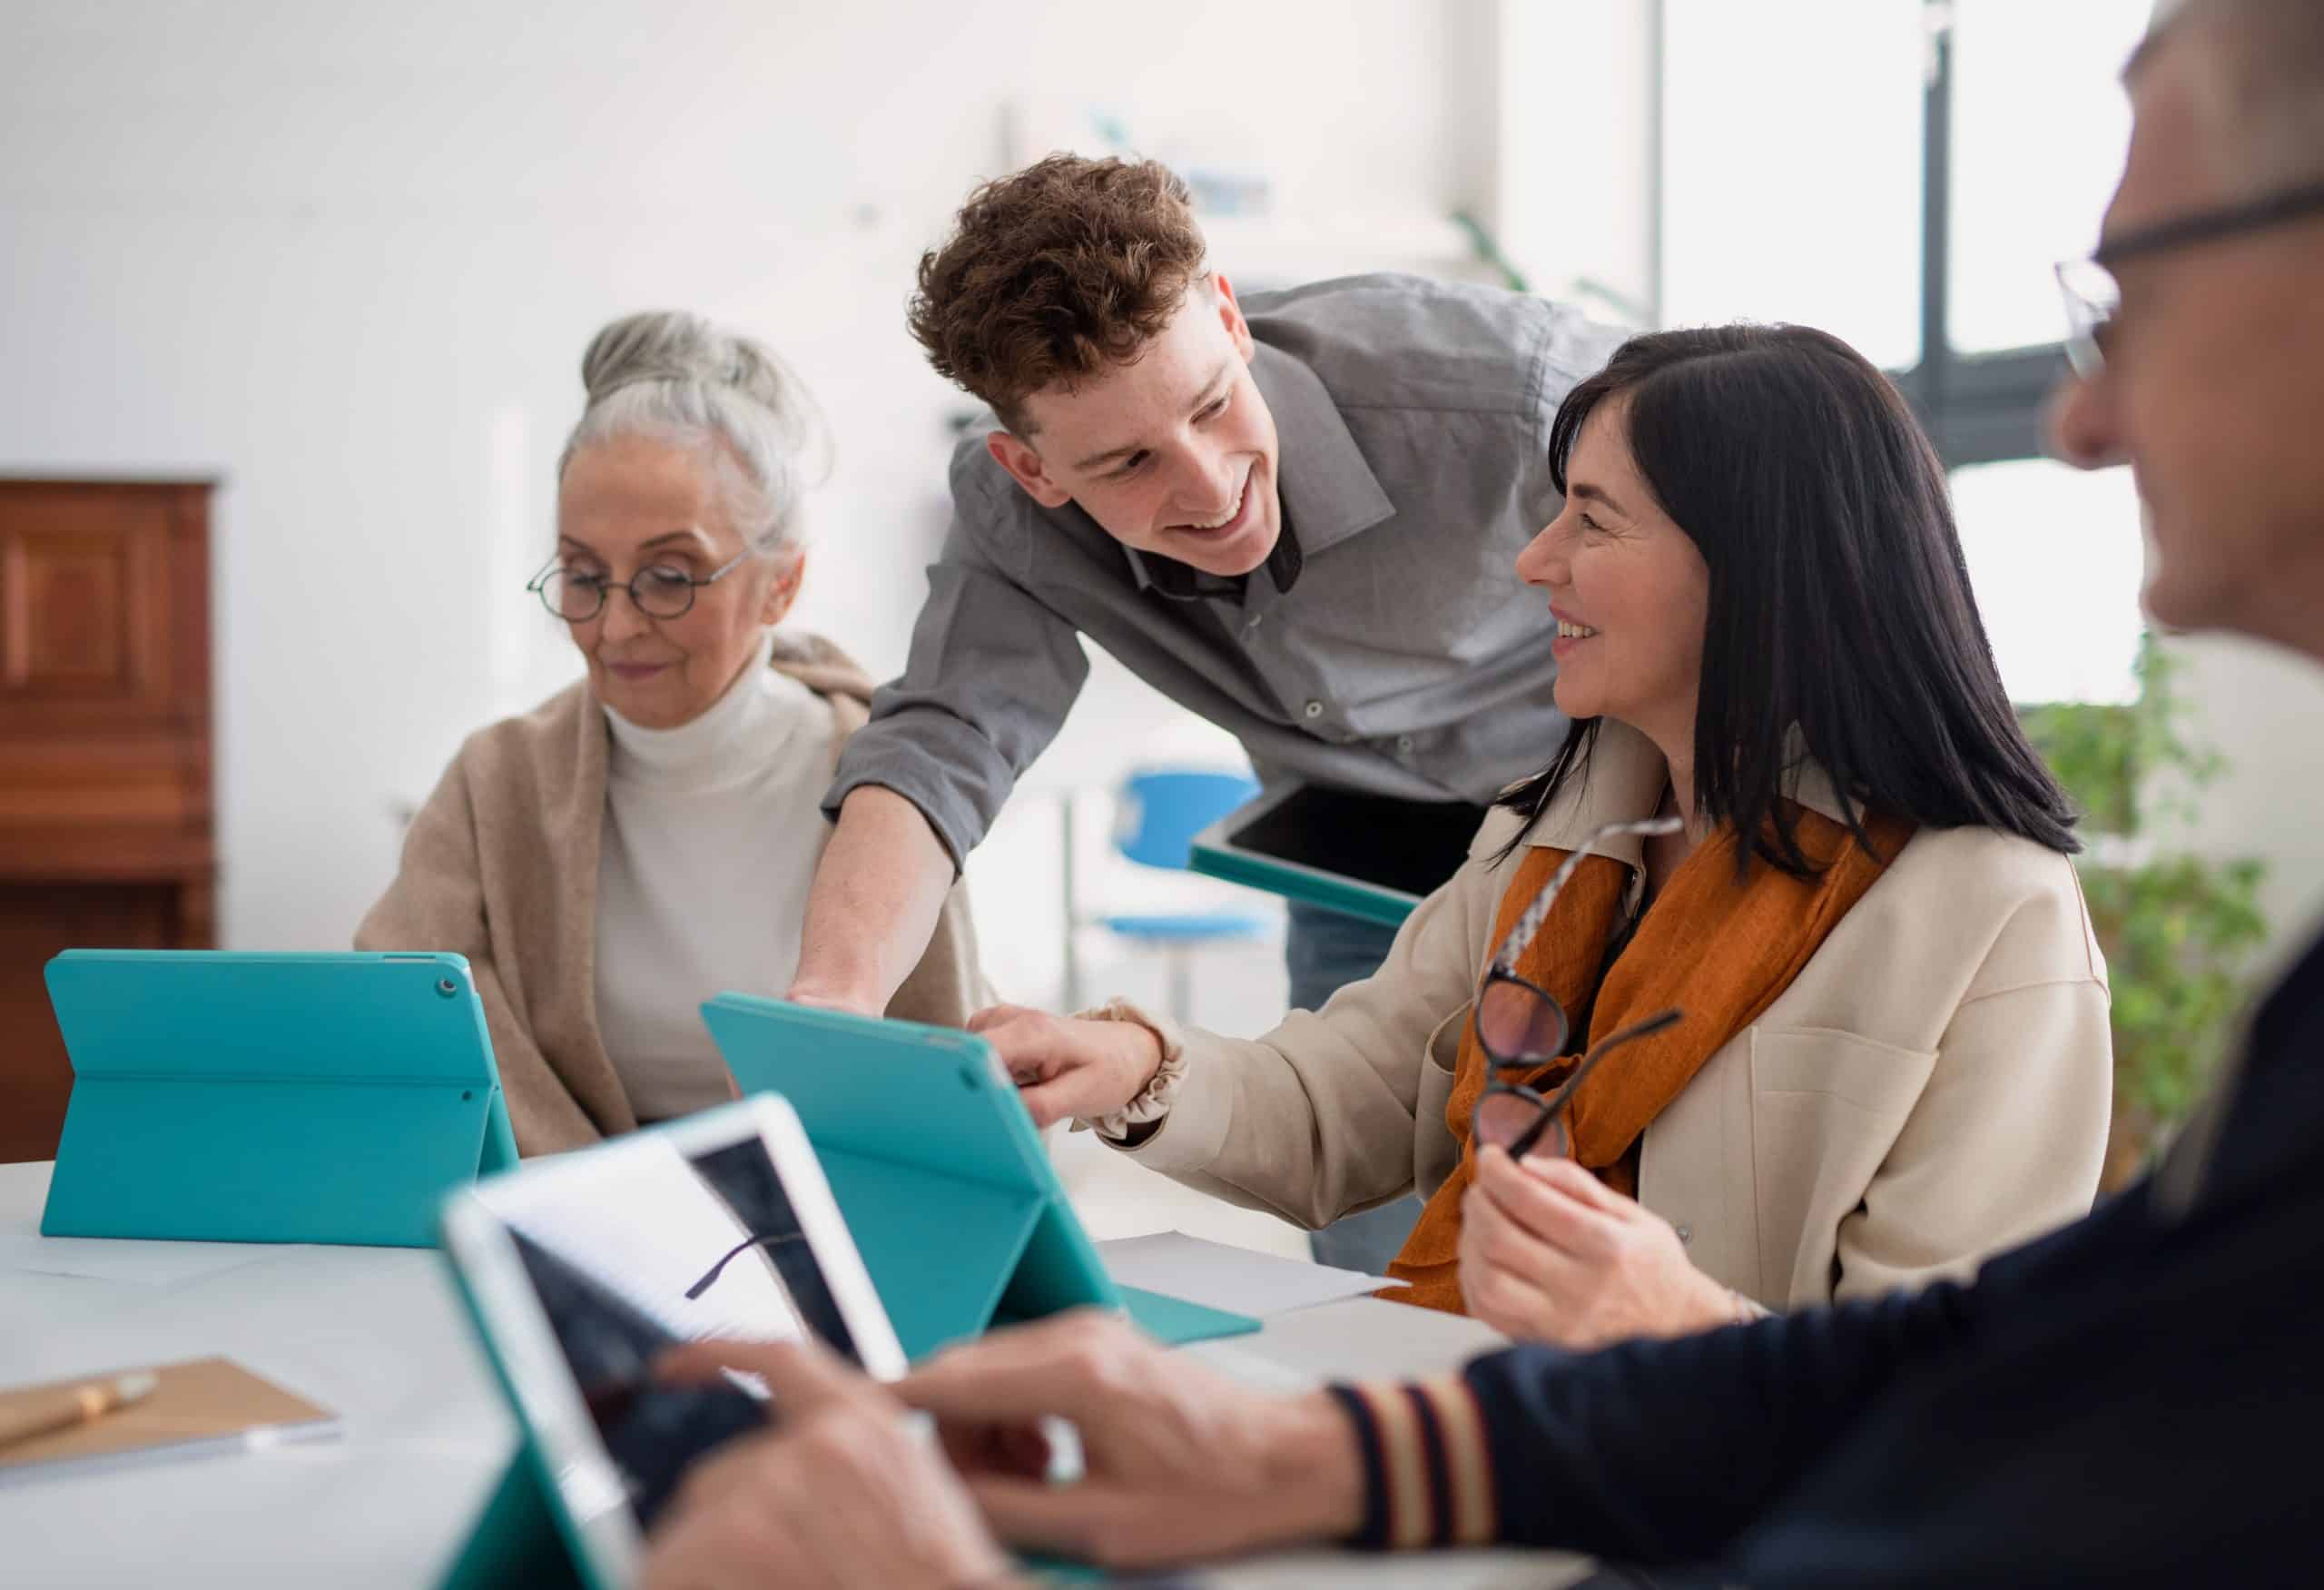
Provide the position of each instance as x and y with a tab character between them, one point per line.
1720	949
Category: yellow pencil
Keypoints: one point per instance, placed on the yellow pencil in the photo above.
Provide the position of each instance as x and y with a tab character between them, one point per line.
72	1404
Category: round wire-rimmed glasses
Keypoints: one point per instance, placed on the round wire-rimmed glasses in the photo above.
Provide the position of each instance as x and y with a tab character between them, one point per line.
659	590
1521	1028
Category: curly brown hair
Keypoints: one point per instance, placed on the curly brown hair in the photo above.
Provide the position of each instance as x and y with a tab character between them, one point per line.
1065	269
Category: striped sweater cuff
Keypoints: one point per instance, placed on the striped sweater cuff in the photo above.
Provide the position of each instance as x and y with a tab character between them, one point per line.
1428	1473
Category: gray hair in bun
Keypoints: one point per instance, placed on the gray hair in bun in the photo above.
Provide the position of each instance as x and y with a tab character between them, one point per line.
668	373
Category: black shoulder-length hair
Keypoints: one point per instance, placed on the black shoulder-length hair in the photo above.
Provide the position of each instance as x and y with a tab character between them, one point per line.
1839	603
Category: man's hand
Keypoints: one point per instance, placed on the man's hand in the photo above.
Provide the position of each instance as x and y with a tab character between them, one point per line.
840	1493
1550	1253
1180	1465
1065	1067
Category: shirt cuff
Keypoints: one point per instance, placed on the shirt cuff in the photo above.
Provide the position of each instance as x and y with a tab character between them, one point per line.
1190	1131
1153	1101
1427	1470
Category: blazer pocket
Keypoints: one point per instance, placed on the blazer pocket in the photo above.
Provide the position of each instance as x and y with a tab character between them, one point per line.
1434	1151
1825	1109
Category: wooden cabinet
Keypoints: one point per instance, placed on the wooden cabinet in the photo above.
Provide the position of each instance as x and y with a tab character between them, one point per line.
105	812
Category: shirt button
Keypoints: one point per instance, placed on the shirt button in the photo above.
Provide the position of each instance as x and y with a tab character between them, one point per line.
1404	745
1686	1234
1314	709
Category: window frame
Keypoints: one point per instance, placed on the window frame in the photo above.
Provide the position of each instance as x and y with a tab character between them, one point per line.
1979	408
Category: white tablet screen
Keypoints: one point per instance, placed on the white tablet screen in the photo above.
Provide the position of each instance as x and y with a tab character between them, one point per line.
655	1246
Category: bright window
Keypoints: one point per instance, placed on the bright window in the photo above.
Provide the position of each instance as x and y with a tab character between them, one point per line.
1794	168
2056	556
1791	167
2040	123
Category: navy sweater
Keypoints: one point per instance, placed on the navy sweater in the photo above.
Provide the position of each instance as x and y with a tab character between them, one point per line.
2136	1399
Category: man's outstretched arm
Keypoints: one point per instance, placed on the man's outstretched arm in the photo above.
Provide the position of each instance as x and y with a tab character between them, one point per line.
874	904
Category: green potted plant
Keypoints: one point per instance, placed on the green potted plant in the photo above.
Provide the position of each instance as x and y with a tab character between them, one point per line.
2179	930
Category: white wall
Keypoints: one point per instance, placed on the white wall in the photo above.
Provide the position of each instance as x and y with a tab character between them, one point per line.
345	257
1575	183
2263	711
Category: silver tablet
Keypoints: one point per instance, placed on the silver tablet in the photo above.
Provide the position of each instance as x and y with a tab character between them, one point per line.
583	1269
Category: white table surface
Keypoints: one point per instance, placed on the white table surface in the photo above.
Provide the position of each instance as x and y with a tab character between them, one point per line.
377	1335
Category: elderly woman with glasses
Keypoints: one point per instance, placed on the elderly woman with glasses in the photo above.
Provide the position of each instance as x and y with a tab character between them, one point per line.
1775	986
646	838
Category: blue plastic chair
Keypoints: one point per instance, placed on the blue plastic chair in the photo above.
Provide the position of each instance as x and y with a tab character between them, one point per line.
1162	810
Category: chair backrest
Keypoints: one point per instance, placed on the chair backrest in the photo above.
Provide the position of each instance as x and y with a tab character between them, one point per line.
1163	809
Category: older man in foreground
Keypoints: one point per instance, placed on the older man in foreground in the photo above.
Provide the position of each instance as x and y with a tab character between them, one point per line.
2132	1400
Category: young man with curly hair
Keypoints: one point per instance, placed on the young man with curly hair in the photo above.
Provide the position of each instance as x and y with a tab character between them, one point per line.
1295	514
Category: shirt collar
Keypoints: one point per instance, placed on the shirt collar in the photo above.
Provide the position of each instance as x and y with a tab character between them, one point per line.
1186	583
1329	491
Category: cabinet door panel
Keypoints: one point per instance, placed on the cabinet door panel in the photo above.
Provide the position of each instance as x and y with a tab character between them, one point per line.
36	921
84	609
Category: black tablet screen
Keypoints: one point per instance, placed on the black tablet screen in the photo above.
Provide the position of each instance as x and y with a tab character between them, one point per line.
1410	845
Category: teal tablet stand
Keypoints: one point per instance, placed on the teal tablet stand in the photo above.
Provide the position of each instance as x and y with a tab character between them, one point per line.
517	1539
945	1185
271	1098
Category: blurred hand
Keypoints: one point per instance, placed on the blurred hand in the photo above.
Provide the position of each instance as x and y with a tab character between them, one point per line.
840	1493
1179	1463
1550	1253
1066	1067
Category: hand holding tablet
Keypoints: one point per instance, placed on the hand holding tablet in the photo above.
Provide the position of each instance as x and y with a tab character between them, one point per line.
585	1270
848	1480
1064	1066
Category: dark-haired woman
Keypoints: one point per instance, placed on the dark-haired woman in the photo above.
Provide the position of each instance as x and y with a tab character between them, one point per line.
1890	1055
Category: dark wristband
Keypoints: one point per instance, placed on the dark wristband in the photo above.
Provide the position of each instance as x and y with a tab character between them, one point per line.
1374	1535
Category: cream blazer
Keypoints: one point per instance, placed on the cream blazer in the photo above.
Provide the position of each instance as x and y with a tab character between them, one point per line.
1934	1086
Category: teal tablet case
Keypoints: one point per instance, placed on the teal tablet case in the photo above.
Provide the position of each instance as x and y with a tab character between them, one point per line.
1214	854
233	1097
521	1537
945	1185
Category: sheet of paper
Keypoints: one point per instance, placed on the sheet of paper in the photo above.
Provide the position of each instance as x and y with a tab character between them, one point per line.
1234	1278
152	1264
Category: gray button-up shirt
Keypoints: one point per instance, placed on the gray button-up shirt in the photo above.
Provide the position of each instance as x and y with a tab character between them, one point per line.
1406	659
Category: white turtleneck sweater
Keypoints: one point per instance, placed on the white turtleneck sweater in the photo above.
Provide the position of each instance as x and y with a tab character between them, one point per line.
712	832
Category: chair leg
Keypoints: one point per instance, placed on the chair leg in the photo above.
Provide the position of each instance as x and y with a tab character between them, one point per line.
1182	984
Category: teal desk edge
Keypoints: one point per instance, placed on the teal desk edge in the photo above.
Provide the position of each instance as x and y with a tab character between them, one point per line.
1175	1322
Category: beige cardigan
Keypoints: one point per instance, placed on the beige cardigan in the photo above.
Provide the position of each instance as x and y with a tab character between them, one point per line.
501	866
1935	1085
